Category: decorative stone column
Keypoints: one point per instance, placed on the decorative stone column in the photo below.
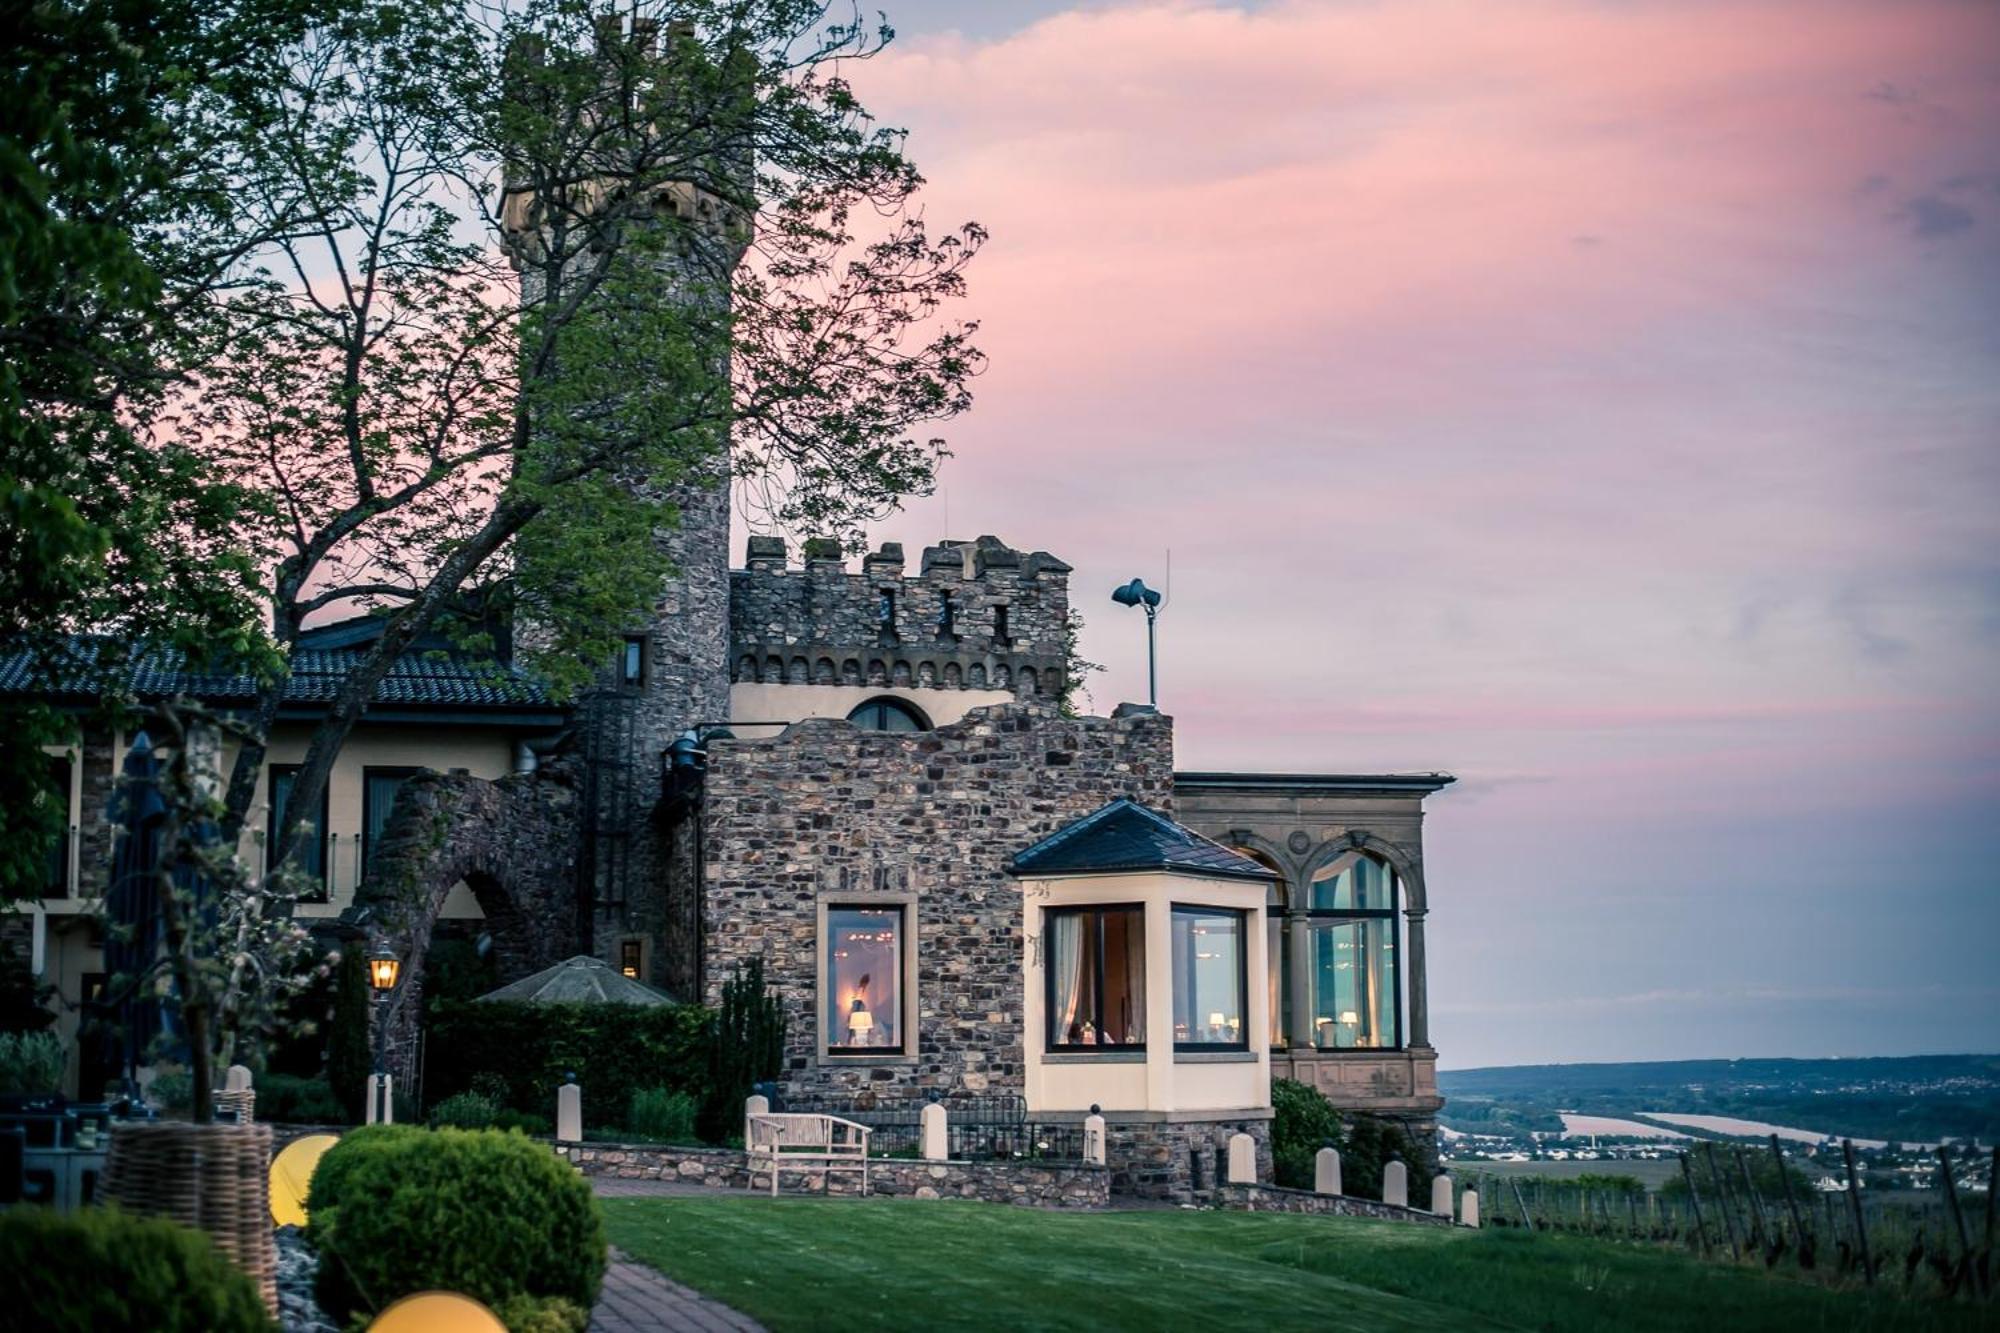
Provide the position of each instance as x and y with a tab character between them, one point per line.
1420	1016
1299	947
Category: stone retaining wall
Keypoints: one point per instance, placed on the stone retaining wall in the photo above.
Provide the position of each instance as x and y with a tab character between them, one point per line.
1277	1199
1031	1184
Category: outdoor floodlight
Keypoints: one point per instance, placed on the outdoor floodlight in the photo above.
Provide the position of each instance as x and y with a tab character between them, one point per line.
1136	593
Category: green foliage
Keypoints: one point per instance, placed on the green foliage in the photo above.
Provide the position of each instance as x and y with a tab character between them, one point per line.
499	1216
1368	1145
287	1099
1771	1180
667	1116
349	1059
549	1314
31	1062
746	1047
172	1089
455	971
465	1110
24	998
1305	1122
519	1054
1620	1185
103	1271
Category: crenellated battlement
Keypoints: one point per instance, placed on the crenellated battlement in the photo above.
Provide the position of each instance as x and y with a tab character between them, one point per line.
975	615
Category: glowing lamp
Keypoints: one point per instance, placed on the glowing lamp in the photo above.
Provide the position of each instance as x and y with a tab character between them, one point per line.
383	967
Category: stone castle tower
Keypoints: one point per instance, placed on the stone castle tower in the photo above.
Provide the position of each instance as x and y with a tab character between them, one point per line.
672	671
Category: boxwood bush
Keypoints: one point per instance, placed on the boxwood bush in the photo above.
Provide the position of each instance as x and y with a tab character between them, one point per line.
103	1271
396	1209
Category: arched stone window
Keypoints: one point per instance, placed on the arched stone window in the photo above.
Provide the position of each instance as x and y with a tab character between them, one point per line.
887	714
1353	920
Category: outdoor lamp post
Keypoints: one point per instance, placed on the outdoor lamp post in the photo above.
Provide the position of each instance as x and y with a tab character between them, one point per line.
1136	593
383	968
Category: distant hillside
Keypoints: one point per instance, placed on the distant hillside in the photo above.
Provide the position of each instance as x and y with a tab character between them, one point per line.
1921	1098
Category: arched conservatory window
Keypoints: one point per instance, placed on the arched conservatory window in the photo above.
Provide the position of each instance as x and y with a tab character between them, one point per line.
1277	953
1356	984
886	714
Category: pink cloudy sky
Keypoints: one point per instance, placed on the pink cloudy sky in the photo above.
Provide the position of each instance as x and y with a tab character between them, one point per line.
1598	401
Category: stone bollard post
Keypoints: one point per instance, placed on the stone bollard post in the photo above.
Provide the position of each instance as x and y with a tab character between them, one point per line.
1242	1160
754	1104
1468	1209
1396	1184
237	1079
1093	1137
1441	1195
935	1125
381	1098
1326	1171
569	1112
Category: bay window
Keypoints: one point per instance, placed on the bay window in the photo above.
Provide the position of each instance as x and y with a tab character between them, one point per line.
1096	971
864	980
1356	985
1211	997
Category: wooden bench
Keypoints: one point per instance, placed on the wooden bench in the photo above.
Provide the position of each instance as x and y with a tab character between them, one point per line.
782	1139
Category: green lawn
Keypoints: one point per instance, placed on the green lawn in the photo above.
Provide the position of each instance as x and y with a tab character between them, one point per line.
842	1264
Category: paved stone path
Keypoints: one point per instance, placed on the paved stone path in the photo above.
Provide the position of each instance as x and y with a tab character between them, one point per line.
636	1299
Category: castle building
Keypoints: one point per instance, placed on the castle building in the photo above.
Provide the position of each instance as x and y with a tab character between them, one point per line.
861	776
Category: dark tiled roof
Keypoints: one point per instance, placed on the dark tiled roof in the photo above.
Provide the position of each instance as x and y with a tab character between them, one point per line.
1127	836
427	679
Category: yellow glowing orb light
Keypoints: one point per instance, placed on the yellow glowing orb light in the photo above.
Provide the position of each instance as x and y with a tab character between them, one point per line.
292	1175
437	1312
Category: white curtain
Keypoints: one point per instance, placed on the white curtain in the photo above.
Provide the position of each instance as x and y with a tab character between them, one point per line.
1065	936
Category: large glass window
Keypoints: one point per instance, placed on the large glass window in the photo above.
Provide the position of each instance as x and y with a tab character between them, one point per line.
1356	988
312	853
888	715
378	797
1096	966
864	980
1211	997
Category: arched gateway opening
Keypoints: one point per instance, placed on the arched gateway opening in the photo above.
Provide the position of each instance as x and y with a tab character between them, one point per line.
512	843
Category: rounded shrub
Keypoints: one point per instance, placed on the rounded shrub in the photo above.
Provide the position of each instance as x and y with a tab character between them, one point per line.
465	1110
102	1271
396	1209
1304	1122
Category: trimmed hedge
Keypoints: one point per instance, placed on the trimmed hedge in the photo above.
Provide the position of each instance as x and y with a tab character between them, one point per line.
519	1054
103	1271
396	1209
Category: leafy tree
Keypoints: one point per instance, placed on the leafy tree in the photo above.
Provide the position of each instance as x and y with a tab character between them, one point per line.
523	331
747	1047
117	138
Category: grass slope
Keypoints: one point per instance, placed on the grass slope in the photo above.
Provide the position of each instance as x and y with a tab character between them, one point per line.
840	1264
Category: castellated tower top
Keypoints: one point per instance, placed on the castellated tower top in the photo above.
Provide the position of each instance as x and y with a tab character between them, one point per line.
661	139
976	615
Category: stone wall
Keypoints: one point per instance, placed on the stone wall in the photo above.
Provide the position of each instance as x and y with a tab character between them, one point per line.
513	842
1181	1161
828	812
1276	1199
822	625
1029	1184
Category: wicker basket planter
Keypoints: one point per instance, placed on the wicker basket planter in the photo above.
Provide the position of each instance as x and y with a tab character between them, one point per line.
212	1177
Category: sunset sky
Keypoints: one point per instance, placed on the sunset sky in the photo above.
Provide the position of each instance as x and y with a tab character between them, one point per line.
1597	401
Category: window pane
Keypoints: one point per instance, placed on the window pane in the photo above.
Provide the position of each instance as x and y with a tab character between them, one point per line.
864	978
1276	951
1097	977
887	715
1362	885
377	800
1208	978
1354	984
311	858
